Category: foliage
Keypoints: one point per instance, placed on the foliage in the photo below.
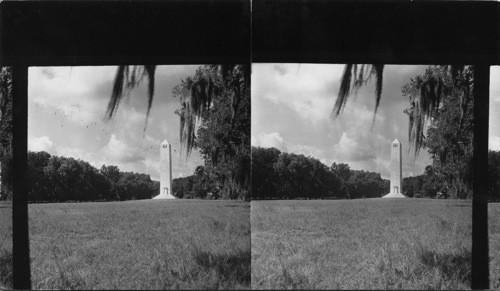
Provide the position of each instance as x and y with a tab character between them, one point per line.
264	176
425	93
214	117
449	135
278	175
126	78
430	184
494	176
353	78
220	105
438	87
412	186
364	184
60	179
183	186
200	185
427	185
6	127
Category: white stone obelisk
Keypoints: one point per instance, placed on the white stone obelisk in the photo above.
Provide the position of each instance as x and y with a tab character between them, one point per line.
165	172
396	168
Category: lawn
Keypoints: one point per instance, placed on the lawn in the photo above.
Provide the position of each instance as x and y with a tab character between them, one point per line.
5	244
149	244
494	244
361	244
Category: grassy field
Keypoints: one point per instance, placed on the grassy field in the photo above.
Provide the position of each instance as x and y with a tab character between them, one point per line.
494	244
367	244
5	244
181	244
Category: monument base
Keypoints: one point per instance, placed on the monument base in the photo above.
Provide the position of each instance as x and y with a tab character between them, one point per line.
165	196
394	195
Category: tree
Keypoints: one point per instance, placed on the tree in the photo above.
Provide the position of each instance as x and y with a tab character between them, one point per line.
182	186
59	179
112	174
450	132
223	134
278	175
6	127
228	85
264	176
364	184
412	186
342	170
37	181
494	175
201	91
424	100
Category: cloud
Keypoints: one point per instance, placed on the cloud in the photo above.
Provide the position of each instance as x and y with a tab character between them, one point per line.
70	93
78	153
49	72
495	84
494	143
68	105
269	140
357	147
291	107
120	152
306	89
280	68
153	167
43	143
310	151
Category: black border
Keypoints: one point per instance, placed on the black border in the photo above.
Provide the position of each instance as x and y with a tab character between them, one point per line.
386	32
42	33
62	33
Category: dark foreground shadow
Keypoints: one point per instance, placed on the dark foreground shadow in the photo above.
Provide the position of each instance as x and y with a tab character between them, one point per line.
455	265
229	267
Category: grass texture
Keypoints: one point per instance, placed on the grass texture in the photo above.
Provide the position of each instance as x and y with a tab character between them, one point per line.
494	244
5	244
160	244
361	244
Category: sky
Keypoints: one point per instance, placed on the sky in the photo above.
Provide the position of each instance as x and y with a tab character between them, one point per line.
66	109
494	124
292	106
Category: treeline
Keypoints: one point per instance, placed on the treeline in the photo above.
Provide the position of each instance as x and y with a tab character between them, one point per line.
200	185
279	175
434	185
61	179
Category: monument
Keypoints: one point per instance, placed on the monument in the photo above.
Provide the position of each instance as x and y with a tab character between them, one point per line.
396	171
165	172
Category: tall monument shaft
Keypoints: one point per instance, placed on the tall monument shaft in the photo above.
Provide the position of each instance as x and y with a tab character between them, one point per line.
396	167
165	172
165	168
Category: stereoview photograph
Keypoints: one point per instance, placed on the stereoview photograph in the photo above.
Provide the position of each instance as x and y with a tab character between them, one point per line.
139	177
361	176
